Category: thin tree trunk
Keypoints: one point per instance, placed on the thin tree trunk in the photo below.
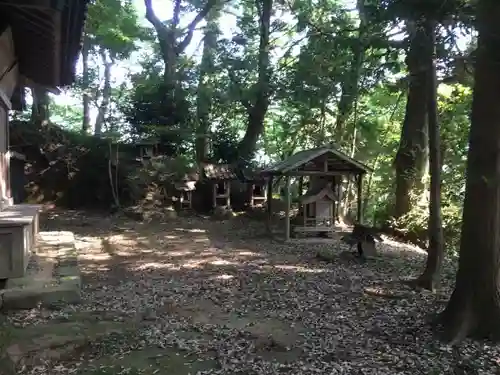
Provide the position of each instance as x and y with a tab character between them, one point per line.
113	180
368	192
474	306
321	138
86	85
258	110
430	277
205	86
106	93
349	193
411	159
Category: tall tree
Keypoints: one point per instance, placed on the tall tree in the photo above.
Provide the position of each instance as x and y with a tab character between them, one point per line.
474	306
351	80
205	84
412	156
435	253
259	104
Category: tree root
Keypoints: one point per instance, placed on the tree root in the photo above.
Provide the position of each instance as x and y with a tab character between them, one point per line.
422	283
453	325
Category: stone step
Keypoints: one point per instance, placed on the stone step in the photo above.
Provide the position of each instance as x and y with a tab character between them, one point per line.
52	278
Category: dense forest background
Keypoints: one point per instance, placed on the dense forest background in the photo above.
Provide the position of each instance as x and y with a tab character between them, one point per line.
256	81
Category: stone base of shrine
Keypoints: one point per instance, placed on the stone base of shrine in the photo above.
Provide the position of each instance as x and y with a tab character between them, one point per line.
18	235
52	277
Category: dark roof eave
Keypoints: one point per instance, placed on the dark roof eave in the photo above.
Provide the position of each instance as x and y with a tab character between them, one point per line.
76	15
64	20
34	4
269	173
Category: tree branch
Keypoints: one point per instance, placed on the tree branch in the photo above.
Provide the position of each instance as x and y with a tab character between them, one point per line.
248	106
152	18
192	26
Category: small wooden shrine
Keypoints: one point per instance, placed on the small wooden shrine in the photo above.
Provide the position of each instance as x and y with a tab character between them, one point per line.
220	177
147	148
256	189
318	205
185	187
325	168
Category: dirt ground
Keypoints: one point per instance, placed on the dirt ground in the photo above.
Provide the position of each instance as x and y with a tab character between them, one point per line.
196	296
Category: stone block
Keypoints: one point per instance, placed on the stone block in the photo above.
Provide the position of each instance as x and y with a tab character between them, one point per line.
28	298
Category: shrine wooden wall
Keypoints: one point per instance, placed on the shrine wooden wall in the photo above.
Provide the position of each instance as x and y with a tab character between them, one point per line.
8	81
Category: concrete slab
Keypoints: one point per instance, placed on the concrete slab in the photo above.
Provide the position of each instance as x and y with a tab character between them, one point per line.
19	214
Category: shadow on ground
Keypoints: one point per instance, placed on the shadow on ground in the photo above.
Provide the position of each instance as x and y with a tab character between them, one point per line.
197	296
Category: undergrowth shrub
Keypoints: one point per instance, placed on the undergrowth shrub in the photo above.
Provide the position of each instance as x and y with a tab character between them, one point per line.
64	167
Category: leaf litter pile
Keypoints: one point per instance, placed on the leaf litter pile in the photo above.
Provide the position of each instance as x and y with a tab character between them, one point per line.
197	296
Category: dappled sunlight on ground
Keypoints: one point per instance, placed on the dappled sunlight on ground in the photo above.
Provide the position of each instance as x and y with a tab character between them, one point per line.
222	277
152	265
190	230
396	247
97	257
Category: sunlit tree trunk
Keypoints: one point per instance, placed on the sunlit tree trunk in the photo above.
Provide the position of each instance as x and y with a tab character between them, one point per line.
86	85
474	307
108	63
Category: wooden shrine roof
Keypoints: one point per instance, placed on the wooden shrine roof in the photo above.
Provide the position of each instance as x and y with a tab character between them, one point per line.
312	160
231	172
250	175
320	192
191	175
151	141
219	172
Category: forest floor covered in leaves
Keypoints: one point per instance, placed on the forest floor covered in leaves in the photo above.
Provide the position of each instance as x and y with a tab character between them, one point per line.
197	296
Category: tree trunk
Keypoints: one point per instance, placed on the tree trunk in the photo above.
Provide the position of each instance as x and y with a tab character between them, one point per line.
257	111
349	194
430	277
411	159
474	306
40	109
320	137
106	93
350	86
86	84
205	86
